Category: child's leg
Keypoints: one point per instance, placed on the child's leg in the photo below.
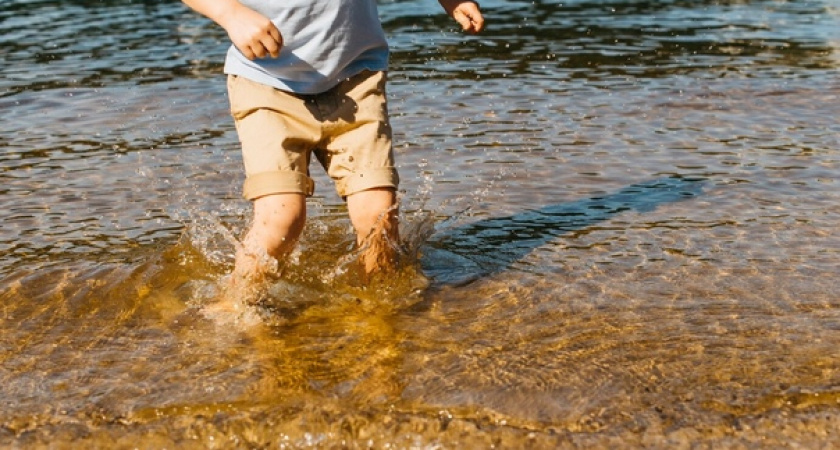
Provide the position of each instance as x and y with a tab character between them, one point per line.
278	223
374	214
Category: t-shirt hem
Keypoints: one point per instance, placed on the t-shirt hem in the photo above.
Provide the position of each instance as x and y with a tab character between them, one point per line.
303	87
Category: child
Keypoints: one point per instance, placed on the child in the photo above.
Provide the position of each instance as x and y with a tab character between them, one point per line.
308	77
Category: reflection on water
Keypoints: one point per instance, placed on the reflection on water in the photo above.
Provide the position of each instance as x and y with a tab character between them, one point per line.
634	206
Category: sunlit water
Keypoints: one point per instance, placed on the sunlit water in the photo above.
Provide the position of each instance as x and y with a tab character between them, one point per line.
634	208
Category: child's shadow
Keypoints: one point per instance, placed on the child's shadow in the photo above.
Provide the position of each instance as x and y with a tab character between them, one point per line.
463	254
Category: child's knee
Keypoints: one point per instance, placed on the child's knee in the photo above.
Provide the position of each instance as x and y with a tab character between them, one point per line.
280	211
285	219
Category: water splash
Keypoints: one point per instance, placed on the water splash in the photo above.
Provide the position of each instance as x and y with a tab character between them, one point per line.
322	269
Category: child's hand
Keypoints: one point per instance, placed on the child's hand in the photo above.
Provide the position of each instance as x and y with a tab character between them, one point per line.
252	33
466	13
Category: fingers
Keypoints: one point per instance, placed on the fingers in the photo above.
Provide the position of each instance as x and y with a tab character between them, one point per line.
275	41
269	43
262	47
264	43
252	33
464	21
469	17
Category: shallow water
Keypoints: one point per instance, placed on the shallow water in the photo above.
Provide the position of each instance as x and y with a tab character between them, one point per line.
634	204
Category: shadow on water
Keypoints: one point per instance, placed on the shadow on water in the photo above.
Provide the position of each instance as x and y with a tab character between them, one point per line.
466	253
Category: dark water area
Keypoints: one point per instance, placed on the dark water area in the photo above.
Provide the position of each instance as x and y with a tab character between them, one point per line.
626	211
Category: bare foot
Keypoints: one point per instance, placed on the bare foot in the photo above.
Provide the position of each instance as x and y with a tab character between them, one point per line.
236	302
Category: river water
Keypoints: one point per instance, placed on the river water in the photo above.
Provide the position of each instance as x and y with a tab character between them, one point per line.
626	212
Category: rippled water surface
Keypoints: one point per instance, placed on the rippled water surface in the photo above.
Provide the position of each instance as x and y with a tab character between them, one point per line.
634	206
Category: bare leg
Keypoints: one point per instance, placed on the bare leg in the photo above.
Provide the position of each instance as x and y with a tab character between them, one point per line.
374	216
278	223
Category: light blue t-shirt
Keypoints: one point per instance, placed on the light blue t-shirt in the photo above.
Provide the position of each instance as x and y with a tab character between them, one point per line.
324	43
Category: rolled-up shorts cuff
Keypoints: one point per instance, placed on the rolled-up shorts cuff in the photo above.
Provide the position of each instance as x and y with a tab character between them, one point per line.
279	182
384	177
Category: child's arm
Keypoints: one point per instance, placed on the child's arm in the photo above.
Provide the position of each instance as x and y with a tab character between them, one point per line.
251	32
466	13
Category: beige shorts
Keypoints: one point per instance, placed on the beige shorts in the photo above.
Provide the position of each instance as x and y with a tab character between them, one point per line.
346	128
